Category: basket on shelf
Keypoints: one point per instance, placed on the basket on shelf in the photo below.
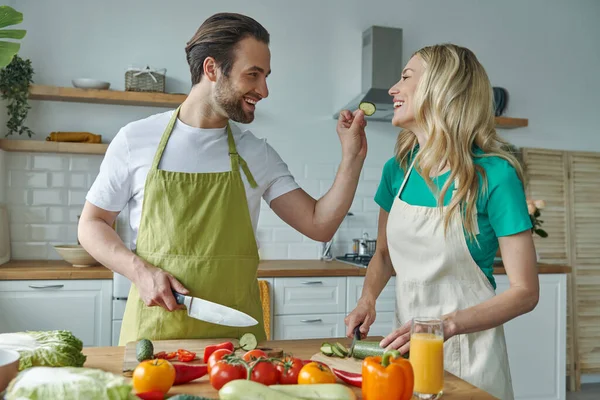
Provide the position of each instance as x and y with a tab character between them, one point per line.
145	80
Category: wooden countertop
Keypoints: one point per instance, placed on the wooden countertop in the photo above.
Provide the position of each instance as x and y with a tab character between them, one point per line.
110	359
45	270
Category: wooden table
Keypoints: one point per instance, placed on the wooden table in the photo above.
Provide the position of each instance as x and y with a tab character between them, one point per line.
110	359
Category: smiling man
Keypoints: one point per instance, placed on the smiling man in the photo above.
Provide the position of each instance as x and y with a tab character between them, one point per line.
193	182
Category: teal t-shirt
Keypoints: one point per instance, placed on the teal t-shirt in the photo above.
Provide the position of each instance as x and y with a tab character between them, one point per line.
501	208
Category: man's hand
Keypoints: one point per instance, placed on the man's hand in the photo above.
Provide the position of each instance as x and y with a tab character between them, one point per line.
155	287
351	130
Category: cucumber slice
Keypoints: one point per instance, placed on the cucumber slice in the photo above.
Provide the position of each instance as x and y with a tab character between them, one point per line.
343	349
337	351
368	108
248	342
327	349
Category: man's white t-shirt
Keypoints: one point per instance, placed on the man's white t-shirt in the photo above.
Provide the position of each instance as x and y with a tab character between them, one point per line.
130	154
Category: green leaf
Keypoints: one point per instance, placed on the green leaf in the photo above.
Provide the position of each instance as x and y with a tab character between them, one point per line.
541	233
7	51
13	33
537	213
9	16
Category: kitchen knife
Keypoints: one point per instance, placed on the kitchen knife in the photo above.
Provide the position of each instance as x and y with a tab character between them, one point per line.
208	311
355	339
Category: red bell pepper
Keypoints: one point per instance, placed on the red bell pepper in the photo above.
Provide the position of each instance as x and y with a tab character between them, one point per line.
185	355
154	395
166	356
350	378
211	349
185	373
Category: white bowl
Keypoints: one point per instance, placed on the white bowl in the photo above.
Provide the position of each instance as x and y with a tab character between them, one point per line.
85	83
9	367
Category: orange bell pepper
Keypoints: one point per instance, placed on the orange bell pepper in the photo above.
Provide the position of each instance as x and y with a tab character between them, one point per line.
388	377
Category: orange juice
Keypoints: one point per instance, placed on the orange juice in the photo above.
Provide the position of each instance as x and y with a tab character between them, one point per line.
427	359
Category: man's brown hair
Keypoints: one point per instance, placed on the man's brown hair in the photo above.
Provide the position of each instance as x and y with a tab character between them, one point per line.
217	38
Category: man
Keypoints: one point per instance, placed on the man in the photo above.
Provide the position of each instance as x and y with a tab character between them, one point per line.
193	183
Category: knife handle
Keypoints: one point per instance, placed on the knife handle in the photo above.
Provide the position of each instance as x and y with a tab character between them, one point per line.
179	298
357	334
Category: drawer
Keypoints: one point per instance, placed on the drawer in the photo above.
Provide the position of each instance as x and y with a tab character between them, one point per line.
386	302
54	286
322	295
309	326
384	324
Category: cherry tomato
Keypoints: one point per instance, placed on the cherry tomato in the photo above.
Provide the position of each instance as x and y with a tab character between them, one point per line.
264	372
217	356
289	369
254	355
315	372
153	376
223	372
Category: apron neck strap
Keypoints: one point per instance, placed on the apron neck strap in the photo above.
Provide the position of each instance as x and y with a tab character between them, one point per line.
164	139
237	160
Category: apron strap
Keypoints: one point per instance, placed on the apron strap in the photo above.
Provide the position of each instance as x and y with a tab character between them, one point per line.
237	160
164	139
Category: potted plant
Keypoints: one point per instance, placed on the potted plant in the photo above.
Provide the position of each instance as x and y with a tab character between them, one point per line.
16	74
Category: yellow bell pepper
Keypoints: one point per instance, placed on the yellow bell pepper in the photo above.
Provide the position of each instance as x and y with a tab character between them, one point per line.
388	377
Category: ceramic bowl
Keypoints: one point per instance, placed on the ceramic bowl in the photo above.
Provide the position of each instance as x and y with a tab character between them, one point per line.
75	255
9	367
85	83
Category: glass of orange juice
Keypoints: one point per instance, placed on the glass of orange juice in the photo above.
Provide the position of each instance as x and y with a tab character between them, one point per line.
427	357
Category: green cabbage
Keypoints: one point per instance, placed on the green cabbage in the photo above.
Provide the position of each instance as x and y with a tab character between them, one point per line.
45	348
68	383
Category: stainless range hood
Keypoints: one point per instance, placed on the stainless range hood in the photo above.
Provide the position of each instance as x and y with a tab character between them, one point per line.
381	69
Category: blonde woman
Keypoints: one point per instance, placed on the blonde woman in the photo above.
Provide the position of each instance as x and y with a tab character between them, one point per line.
449	198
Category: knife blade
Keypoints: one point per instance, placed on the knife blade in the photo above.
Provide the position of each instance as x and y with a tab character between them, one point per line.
355	339
214	313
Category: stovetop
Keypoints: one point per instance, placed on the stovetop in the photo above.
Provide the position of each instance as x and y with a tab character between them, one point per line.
355	259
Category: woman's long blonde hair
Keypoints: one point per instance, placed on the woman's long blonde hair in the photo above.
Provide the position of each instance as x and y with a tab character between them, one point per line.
454	104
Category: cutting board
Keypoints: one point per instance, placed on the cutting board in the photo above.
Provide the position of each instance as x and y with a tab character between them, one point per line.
195	345
343	364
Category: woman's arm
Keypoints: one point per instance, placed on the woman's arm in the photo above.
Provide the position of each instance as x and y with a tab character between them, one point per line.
378	274
519	259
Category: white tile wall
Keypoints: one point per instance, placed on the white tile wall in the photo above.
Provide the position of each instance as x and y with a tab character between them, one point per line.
46	192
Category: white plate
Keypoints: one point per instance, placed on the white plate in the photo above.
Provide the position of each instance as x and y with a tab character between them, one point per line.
85	83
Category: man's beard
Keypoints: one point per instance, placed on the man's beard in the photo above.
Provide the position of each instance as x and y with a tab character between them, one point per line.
231	102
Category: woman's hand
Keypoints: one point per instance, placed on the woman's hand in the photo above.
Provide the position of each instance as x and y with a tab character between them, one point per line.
364	315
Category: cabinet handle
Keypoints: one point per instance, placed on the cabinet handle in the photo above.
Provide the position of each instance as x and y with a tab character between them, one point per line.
311	321
46	286
312	282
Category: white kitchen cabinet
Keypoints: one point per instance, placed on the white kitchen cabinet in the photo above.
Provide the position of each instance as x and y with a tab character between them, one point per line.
385	302
80	306
323	295
309	326
536	342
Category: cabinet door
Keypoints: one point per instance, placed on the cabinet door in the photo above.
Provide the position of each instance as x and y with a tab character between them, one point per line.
312	295
537	342
384	324
80	306
385	302
309	326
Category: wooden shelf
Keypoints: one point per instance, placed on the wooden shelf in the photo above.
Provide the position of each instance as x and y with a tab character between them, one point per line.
511	123
68	94
42	146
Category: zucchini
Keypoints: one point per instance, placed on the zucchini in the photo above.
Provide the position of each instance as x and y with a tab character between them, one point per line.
343	349
188	397
327	349
248	341
367	107
242	389
337	352
317	391
366	348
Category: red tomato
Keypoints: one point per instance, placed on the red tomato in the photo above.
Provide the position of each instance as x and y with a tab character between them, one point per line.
289	369
264	372
254	355
216	356
223	372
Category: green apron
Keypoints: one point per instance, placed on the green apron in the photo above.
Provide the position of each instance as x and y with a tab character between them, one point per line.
197	227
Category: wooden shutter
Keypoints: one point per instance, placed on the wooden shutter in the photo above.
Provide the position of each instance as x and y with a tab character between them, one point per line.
585	227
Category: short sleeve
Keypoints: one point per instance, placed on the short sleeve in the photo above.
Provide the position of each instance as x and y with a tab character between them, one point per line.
385	191
111	190
507	203
279	178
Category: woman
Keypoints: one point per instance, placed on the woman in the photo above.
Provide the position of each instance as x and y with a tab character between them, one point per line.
449	198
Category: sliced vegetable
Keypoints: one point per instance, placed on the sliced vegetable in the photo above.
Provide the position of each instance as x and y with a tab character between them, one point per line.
342	349
166	356
185	355
326	349
151	395
153	375
315	372
318	391
350	378
249	390
368	108
387	377
45	348
187	373
337	352
248	341
144	350
212	348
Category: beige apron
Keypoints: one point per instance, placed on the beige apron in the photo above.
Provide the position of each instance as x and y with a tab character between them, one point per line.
436	275
197	227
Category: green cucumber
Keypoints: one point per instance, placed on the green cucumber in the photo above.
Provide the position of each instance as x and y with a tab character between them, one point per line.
188	397
248	342
327	349
242	389
343	349
144	350
336	351
317	391
367	348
